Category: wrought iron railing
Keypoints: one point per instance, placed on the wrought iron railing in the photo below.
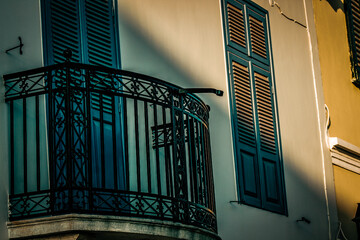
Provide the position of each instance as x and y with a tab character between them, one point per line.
87	139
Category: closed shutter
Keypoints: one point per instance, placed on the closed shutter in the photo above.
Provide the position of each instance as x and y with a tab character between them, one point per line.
101	47
259	171
258	37
87	27
63	32
245	131
353	21
100	33
237	34
268	154
101	50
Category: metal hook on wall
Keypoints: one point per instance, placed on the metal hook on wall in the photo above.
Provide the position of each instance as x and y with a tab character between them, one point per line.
19	46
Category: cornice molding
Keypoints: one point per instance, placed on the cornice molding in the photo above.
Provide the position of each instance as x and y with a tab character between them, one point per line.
345	154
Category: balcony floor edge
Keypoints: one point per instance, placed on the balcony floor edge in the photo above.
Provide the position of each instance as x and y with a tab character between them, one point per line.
85	226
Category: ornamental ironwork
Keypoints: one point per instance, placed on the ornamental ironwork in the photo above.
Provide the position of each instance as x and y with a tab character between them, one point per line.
91	139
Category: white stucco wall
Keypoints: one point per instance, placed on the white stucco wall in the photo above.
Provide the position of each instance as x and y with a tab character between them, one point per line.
17	18
182	42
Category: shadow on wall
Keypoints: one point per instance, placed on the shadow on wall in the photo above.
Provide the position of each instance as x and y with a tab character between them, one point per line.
336	5
305	198
141	53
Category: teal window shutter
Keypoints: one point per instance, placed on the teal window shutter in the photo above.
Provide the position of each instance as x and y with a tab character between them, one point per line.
101	39
258	159
353	24
86	27
89	29
62	30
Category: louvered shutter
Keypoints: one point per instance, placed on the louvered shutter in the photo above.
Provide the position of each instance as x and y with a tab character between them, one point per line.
245	131
87	27
353	21
101	45
63	30
237	31
268	154
100	33
258	165
101	50
258	36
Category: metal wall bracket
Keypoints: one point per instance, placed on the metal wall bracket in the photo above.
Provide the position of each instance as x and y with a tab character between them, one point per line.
201	90
19	46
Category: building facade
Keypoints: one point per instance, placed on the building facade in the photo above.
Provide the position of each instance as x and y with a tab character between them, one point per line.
336	24
147	142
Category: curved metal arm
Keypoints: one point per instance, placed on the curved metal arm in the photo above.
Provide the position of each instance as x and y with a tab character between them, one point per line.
201	90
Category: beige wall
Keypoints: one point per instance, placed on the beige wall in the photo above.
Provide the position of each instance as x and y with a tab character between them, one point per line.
182	42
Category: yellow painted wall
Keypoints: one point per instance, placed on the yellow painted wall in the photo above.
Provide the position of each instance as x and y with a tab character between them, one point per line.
342	98
347	190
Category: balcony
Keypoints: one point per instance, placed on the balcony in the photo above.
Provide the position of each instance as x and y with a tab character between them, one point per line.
95	140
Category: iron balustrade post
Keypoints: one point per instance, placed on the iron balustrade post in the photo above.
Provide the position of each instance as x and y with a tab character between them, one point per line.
180	170
37	129
88	139
25	145
12	152
51	129
68	145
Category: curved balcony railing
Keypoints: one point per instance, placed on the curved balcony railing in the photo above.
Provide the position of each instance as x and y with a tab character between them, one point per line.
87	139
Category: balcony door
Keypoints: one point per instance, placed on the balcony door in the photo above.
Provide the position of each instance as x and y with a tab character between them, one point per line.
88	29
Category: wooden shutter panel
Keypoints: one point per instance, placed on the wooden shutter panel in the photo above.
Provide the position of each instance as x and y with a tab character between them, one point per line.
101	48
258	37
268	155
237	36
243	102
354	36
64	29
100	33
245	132
265	113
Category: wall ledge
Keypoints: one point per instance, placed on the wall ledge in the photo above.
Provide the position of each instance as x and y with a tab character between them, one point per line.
345	154
86	227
